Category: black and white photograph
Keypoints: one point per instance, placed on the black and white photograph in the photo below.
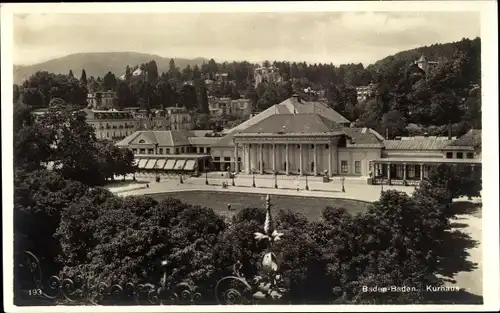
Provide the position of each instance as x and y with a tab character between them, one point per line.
266	156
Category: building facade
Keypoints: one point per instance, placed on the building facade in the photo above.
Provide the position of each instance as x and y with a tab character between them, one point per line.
164	151
111	124
102	100
266	74
226	106
363	92
170	118
425	65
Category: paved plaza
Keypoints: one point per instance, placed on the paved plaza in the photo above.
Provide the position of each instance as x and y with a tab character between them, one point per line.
355	188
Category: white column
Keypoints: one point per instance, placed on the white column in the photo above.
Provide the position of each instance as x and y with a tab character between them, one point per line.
315	159
330	160
249	158
421	172
260	157
236	164
388	171
274	157
287	167
404	171
300	163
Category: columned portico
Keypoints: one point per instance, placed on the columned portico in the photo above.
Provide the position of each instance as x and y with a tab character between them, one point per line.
301	167
287	162
261	164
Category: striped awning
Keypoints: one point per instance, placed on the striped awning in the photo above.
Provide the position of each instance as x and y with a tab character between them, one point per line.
151	164
142	163
160	163
169	165
190	165
179	165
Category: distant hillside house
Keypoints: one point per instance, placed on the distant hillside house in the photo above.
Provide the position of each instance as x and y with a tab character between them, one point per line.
266	74
425	65
101	99
363	92
170	118
226	106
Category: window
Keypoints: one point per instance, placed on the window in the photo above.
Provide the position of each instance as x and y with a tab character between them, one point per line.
176	150
460	155
343	167
182	150
141	141
161	151
298	146
312	146
168	150
208	150
227	159
470	155
449	155
312	166
239	159
357	167
134	151
327	146
201	149
217	159
142	151
150	151
107	134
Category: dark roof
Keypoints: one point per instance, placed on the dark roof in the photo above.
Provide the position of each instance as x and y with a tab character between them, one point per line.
416	144
166	138
293	123
471	139
363	137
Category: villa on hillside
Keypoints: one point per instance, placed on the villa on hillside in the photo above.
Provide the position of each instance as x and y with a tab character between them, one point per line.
297	137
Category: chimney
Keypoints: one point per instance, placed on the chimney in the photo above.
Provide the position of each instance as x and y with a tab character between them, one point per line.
296	97
449	130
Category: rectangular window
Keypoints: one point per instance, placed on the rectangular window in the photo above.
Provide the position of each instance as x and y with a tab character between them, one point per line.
167	150
182	150
134	151
107	134
327	146
449	155
142	151
460	155
161	151
176	150
208	150
217	159
343	167
357	167
150	151
227	159
470	155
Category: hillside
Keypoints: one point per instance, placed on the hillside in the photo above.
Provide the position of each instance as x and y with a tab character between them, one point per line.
98	64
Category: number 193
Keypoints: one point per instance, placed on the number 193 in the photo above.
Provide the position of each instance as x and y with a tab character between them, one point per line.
35	292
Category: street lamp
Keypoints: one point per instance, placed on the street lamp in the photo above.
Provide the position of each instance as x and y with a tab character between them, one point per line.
307	185
342	180
181	180
253	177
232	177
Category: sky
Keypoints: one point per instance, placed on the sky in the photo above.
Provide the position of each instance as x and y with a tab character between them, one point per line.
314	37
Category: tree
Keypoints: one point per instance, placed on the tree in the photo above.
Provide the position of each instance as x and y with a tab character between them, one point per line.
394	122
203	99
125	96
188	97
152	72
16	94
109	82
71	74
83	78
166	94
456	180
173	71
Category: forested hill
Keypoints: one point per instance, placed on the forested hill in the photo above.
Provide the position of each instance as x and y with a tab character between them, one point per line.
99	63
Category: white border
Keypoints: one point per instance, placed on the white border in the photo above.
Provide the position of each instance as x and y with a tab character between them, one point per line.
490	218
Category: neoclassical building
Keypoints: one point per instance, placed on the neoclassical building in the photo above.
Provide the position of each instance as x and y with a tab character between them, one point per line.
297	137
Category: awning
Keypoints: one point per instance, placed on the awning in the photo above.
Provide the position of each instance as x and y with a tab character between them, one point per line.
142	163
169	165
160	164
151	164
179	165
190	165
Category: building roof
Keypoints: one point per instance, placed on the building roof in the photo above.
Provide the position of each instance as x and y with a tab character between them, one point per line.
417	144
471	139
290	106
293	123
363	137
170	138
427	160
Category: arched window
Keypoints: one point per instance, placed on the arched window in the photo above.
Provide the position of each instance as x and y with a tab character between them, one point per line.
142	141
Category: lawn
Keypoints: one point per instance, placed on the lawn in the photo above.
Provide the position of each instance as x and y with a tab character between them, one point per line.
311	207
